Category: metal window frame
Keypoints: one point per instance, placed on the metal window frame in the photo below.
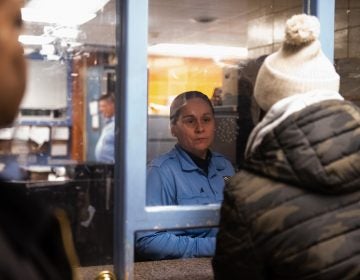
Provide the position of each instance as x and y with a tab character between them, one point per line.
131	214
325	11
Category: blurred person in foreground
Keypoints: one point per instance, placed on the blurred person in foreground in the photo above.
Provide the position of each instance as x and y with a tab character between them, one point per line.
293	212
189	174
35	242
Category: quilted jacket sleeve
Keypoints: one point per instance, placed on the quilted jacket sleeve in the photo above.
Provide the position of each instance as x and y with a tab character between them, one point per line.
235	256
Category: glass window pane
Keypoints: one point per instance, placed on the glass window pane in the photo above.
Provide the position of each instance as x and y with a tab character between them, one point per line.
70	53
214	47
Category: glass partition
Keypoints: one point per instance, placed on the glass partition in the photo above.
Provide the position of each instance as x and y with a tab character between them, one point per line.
70	52
214	47
211	46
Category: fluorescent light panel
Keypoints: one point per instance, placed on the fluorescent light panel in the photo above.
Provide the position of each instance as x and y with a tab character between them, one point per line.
63	12
198	51
35	40
57	17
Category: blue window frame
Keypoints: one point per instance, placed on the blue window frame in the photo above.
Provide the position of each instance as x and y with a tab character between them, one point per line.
131	215
325	11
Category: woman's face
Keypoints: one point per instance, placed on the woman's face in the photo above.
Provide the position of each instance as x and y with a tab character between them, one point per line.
12	61
195	127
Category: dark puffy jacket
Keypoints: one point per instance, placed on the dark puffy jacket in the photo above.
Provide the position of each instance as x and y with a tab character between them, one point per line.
294	213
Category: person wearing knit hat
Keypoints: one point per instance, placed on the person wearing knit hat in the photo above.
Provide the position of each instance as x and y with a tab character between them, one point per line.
299	67
292	212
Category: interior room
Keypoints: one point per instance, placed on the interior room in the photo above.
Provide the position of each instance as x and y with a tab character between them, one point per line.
72	51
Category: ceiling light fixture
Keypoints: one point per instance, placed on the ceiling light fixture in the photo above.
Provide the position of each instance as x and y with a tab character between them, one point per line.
63	12
35	40
199	51
204	19
34	15
68	32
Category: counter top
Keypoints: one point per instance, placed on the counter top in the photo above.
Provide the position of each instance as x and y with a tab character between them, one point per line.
179	269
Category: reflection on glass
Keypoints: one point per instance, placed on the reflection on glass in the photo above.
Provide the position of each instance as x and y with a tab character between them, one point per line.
213	47
70	53
208	46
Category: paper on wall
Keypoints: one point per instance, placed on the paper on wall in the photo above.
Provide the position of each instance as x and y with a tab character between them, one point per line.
93	108
60	133
95	122
22	133
39	134
59	149
7	133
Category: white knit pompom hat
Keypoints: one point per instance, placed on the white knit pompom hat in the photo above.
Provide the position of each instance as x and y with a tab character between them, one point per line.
299	66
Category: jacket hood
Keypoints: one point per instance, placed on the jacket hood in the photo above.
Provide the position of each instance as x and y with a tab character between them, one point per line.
316	148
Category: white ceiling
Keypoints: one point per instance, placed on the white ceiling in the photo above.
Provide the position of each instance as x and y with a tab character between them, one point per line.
177	21
172	21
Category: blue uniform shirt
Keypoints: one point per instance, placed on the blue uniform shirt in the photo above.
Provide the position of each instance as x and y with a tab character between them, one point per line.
174	179
105	146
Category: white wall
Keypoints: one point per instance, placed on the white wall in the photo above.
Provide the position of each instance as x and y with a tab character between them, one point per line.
46	85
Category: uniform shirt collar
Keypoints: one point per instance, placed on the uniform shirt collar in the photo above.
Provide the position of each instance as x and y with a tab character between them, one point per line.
203	164
109	120
188	164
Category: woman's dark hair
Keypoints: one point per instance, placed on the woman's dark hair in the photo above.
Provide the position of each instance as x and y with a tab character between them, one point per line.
181	101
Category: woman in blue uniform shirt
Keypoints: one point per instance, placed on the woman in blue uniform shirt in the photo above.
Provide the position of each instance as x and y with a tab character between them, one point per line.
189	174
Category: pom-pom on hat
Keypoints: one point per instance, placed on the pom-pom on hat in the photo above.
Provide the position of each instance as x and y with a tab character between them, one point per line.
298	67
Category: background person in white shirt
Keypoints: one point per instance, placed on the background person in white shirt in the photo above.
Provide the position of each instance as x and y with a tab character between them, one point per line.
105	147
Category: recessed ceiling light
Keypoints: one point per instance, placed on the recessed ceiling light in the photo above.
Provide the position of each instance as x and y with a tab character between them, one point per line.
35	40
58	11
198	51
204	19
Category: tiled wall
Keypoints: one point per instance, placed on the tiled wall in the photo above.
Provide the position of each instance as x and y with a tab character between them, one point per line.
347	47
265	32
266	24
347	28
